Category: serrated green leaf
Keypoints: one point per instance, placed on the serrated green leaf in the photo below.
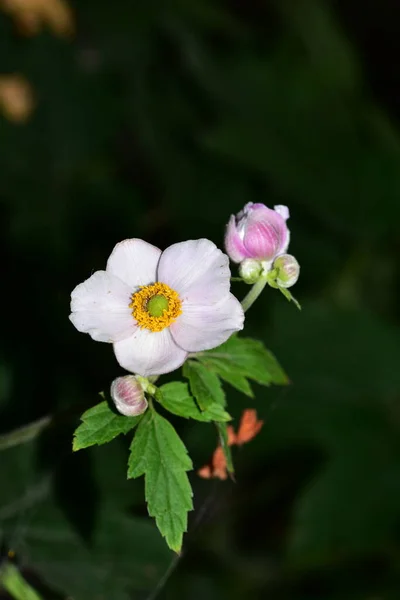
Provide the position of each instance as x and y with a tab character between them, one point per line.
248	358
158	453
204	385
225	372
223	440
101	425
175	397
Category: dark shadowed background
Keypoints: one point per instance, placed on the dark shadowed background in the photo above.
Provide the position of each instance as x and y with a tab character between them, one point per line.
158	120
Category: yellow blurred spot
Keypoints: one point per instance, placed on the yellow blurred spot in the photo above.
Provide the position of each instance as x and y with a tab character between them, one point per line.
32	15
16	98
11	554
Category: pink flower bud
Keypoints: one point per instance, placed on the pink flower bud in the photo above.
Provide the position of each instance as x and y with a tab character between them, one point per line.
287	270
128	396
257	232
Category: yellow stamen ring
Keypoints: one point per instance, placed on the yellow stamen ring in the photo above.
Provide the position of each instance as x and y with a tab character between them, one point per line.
140	306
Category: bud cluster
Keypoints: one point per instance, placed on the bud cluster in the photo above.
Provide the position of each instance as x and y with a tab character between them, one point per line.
257	238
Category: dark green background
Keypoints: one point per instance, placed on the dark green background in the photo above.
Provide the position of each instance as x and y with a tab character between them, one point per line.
159	120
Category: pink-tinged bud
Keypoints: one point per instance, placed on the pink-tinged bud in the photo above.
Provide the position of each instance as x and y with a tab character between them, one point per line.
128	396
257	232
287	270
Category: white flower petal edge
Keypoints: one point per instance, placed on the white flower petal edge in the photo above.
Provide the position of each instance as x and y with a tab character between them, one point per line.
149	353
285	244
283	211
205	327
134	262
197	270
99	307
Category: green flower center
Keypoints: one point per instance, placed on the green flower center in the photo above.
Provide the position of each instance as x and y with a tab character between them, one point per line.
156	305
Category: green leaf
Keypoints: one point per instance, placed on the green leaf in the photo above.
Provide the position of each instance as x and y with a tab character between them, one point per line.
221	368
175	398
126	555
125	559
236	380
350	505
223	439
241	358
204	385
158	453
24	486
101	425
289	296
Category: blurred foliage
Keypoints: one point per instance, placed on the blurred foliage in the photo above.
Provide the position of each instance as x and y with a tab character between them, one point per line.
159	120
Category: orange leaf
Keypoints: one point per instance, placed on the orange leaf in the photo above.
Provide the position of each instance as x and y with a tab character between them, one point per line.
219	464
249	426
248	429
231	435
217	469
205	472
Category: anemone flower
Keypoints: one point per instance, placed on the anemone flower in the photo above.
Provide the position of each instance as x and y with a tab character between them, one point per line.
155	307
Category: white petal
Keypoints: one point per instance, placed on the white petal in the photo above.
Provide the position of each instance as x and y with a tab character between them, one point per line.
197	270
285	243
149	353
135	262
282	210
100	307
205	327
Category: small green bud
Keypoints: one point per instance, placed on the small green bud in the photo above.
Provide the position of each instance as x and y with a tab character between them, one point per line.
147	386
287	270
250	270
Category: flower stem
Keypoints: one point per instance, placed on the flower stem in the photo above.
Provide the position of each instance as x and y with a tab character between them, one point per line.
13	581
253	294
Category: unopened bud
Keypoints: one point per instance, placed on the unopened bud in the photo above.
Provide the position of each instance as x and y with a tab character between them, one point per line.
257	232
250	270
287	270
128	396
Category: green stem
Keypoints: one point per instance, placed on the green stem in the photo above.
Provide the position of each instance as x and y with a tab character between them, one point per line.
12	581
253	294
24	434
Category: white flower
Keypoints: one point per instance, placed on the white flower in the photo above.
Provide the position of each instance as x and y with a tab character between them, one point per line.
155	307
